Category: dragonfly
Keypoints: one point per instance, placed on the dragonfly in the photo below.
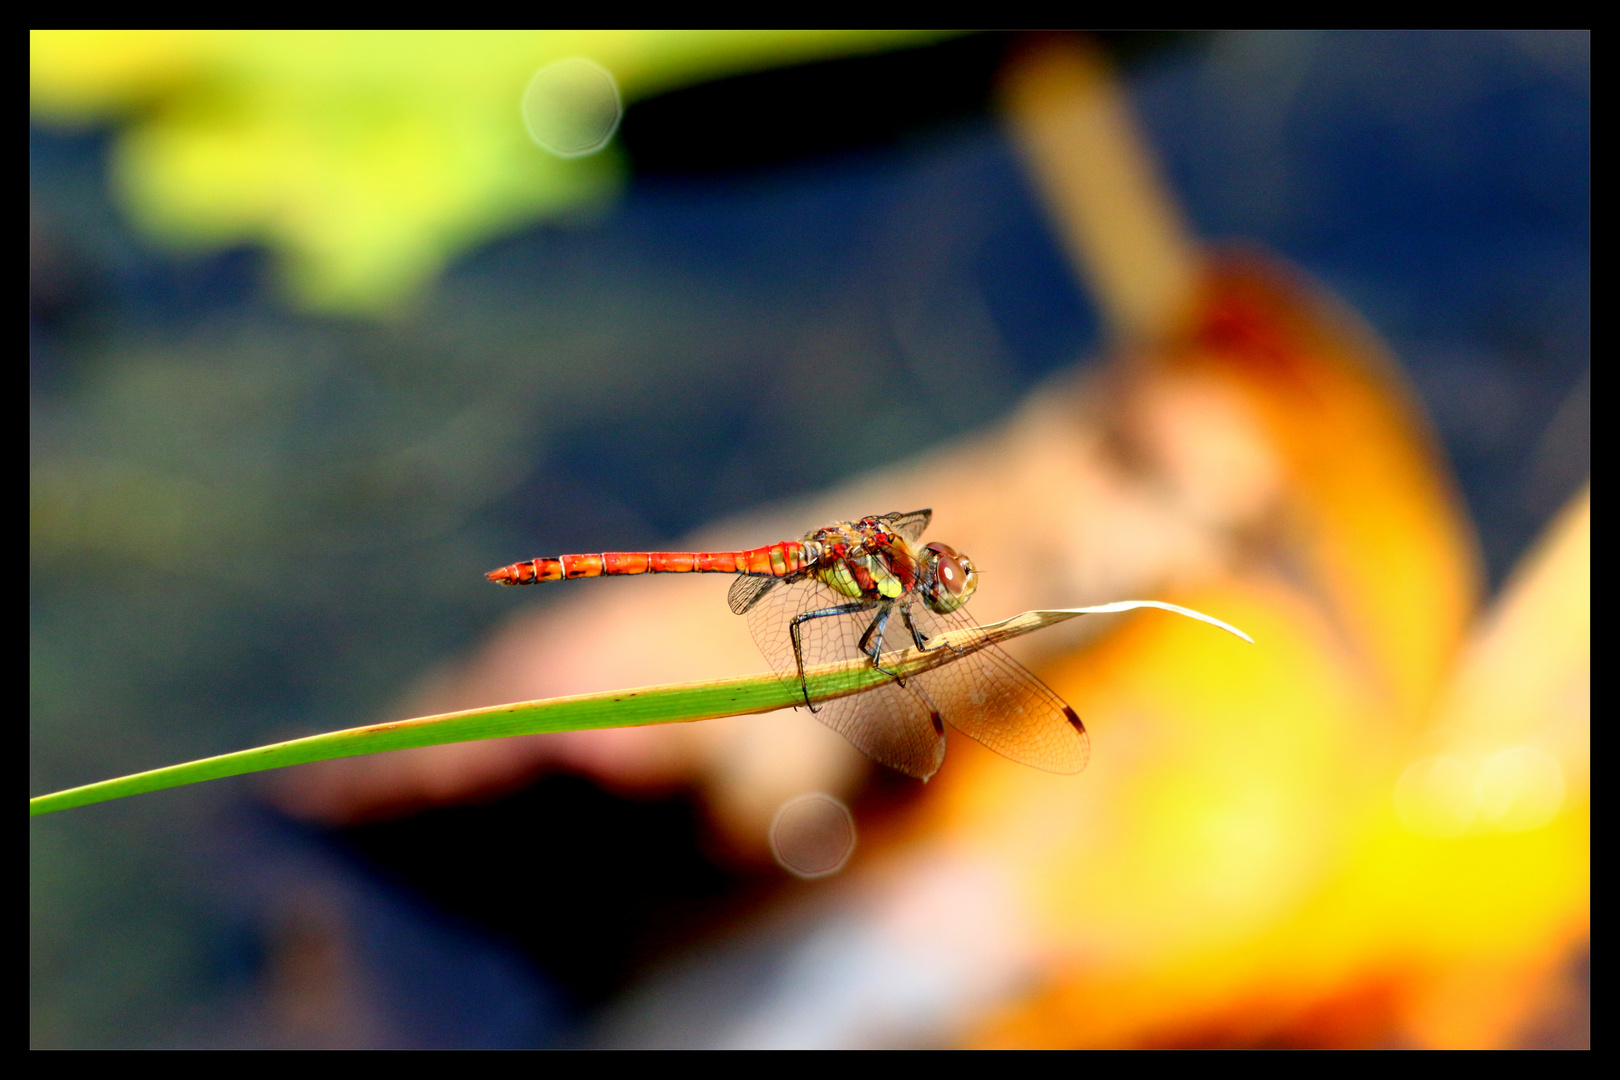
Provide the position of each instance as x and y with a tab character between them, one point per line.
859	589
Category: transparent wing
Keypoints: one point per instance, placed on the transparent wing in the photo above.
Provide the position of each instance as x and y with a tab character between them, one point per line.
891	724
747	591
993	699
909	524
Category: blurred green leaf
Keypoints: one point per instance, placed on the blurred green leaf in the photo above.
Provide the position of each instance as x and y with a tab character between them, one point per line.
365	159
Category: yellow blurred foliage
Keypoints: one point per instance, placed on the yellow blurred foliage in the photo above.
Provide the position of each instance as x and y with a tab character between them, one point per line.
1245	873
1372	828
365	159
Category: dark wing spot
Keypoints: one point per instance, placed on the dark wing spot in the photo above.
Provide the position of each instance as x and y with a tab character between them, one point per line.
1075	720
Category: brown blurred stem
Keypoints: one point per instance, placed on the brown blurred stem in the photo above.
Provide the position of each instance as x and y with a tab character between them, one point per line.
1079	139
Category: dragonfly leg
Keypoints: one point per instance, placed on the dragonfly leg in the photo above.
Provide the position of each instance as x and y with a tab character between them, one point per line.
916	635
876	651
798	645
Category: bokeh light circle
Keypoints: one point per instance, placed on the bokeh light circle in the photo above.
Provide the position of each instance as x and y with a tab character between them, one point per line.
1520	788
572	107
813	836
1513	790
1437	796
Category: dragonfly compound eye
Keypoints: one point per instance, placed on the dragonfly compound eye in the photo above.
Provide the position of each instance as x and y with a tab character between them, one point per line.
953	578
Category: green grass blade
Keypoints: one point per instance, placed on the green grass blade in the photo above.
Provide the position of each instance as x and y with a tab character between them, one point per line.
669	704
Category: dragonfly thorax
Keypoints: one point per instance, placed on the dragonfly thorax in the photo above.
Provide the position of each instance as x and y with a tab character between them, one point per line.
862	560
866	560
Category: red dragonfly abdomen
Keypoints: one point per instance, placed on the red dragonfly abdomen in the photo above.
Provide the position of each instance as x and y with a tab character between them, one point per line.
773	560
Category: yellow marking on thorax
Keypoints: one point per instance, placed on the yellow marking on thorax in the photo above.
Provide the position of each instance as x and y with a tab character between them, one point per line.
838	578
888	585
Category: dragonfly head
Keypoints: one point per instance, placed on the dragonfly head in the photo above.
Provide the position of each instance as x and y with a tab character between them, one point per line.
948	578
